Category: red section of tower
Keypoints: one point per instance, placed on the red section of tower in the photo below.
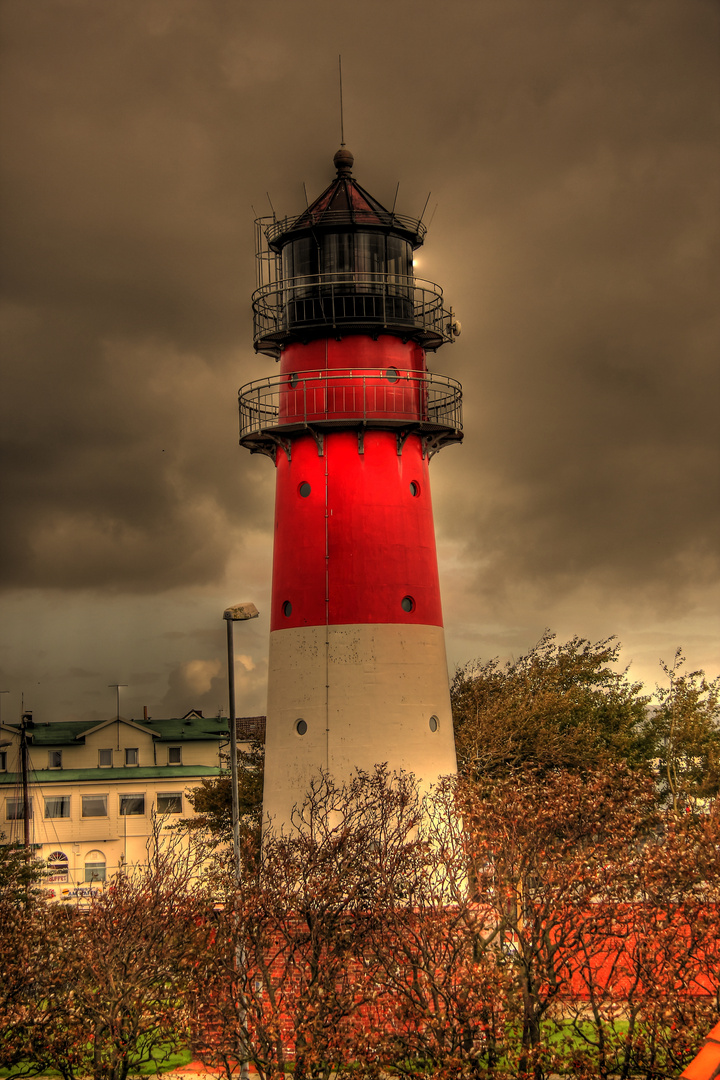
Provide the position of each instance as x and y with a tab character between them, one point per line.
360	513
366	520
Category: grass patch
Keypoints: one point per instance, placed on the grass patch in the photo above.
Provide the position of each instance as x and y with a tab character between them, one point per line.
164	1059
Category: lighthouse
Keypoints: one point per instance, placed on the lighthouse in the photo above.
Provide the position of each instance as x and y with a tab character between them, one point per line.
357	663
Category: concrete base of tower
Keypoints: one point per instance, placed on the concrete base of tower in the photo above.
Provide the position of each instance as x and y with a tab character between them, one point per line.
342	698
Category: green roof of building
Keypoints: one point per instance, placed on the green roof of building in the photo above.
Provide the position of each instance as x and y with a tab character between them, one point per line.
190	728
43	777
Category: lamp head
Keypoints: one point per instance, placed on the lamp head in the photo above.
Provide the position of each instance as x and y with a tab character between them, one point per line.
240	612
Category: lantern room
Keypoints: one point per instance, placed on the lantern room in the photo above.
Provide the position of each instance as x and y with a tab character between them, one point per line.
346	265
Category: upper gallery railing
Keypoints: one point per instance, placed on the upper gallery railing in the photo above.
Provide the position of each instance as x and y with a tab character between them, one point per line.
274	228
291	308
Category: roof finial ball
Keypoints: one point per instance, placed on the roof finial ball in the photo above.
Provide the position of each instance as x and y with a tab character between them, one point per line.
343	161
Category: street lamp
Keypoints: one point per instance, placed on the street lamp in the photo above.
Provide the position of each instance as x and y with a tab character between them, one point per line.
238	613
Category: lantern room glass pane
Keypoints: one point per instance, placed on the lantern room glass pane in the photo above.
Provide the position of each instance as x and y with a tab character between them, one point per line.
399	266
300	262
369	259
337	255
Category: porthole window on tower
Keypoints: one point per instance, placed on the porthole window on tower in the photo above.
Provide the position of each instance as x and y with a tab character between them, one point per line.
407	604
293	379
301	727
287	609
434	722
304	489
414	489
392	374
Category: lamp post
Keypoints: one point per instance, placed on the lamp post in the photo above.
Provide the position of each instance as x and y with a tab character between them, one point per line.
238	613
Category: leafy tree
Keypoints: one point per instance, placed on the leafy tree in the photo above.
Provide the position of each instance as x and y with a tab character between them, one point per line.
647	970
535	923
686	727
542	849
445	1005
301	993
20	875
212	802
560	705
22	951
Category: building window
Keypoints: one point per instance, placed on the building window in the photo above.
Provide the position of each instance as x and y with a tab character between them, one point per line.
57	865
57	806
94	866
170	802
14	809
175	755
131	755
94	806
132	805
54	759
3	760
105	759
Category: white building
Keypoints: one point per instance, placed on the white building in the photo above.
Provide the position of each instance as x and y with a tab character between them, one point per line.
95	787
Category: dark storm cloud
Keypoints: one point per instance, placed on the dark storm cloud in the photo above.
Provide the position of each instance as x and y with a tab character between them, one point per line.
572	151
593	312
123	275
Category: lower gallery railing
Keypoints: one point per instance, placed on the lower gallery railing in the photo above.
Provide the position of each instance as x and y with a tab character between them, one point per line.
370	396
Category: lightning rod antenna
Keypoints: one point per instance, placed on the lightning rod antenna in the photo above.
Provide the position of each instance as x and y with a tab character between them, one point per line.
342	128
395	199
425	206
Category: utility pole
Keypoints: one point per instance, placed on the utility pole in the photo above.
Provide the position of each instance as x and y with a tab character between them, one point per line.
116	687
25	723
237	613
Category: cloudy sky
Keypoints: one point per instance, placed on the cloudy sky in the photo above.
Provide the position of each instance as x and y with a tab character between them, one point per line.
571	149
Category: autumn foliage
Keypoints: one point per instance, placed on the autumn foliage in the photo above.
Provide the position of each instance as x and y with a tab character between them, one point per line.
540	924
552	911
100	990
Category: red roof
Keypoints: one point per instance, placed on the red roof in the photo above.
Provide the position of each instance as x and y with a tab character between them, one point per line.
347	198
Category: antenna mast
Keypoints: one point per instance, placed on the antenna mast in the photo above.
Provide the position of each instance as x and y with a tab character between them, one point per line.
342	129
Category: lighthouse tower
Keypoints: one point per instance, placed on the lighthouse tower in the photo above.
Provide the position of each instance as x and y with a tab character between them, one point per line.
357	666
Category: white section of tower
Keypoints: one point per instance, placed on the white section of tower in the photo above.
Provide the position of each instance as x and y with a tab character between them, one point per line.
372	694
